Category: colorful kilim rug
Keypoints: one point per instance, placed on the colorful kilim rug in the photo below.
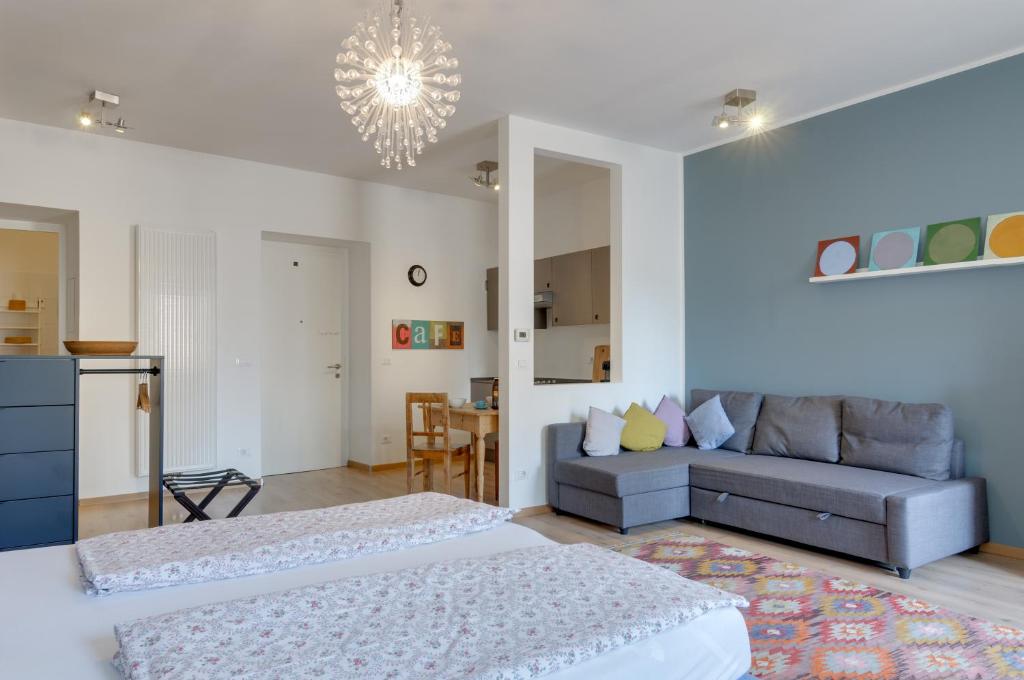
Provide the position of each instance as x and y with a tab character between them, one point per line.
809	625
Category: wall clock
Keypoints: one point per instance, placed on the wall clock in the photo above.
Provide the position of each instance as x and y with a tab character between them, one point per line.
417	275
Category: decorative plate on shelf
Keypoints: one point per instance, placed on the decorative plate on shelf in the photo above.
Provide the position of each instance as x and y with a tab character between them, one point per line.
109	347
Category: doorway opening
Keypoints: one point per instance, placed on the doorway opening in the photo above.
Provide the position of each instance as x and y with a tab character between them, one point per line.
38	279
315	291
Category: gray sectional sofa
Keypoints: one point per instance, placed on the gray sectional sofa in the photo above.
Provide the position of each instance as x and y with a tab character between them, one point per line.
879	480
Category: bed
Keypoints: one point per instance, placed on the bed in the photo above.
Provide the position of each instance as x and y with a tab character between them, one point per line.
53	629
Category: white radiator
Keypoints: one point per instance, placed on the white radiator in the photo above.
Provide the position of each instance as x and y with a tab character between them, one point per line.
177	318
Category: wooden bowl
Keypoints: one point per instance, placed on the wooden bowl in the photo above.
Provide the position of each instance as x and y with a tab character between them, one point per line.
106	347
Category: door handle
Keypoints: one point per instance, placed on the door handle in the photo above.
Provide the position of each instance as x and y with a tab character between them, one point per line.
336	367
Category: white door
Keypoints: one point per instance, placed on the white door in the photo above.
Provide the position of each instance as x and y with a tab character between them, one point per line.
303	357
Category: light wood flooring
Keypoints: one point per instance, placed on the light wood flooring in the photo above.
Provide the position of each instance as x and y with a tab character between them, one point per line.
987	586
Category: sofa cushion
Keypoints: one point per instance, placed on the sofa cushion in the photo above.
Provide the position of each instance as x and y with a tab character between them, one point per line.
631	473
709	424
604	432
913	439
742	409
644	431
674	417
852	492
799	427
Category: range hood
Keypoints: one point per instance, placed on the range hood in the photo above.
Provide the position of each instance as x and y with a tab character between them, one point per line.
544	299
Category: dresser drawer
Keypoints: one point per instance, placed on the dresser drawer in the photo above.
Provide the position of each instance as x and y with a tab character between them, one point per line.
37	428
31	475
35	521
37	382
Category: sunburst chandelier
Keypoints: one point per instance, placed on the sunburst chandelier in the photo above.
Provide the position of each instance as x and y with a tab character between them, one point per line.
397	82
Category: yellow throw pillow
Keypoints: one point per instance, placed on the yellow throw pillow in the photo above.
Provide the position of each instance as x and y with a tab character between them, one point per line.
644	431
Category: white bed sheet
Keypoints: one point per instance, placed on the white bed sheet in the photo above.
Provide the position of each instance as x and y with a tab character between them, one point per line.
49	628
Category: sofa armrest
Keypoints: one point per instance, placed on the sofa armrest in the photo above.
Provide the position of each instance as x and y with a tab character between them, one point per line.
935	521
562	441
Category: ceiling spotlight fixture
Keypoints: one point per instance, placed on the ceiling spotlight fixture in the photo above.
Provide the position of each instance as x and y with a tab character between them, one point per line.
87	119
397	82
483	179
744	113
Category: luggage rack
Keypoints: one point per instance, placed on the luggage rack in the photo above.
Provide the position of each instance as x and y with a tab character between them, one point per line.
179	483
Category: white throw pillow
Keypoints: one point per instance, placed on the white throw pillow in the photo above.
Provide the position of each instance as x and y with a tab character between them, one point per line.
709	424
604	433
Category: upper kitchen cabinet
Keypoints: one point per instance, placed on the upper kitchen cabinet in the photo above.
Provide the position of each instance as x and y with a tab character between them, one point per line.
492	298
571	283
542	275
601	284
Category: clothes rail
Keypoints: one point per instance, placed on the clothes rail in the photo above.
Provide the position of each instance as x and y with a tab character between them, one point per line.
118	371
156	419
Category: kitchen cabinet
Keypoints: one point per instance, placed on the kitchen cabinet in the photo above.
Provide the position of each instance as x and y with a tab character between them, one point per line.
570	281
542	275
492	299
580	281
601	284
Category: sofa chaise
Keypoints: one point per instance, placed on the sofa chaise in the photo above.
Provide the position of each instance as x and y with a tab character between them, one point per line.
883	481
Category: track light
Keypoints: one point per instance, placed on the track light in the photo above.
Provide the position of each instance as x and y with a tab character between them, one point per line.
106	101
744	112
483	180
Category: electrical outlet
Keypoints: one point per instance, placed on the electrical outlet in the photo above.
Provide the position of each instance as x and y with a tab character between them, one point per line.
385	362
386	439
520	476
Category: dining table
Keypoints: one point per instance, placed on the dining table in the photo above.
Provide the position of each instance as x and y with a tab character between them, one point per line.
478	422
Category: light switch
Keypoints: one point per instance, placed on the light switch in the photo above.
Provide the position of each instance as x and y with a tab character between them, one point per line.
522	335
522	363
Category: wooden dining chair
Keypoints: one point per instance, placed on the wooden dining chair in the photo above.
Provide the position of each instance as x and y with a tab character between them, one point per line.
432	444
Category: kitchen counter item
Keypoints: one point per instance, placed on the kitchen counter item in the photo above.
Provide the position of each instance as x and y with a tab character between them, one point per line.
18	340
456	402
102	347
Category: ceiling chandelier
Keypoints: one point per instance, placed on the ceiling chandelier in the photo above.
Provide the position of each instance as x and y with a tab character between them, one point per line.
744	112
397	82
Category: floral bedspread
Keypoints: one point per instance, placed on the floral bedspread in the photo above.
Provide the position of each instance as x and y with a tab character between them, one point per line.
519	614
221	549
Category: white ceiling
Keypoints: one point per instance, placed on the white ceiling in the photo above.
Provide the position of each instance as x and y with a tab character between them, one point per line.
253	78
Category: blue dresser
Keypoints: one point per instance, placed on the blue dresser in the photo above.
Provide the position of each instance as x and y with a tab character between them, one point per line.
38	451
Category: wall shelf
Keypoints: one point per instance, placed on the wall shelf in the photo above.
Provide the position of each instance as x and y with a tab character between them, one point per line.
919	269
5	310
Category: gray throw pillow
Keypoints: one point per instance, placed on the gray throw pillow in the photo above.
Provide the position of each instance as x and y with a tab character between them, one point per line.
913	439
799	427
742	409
709	424
604	433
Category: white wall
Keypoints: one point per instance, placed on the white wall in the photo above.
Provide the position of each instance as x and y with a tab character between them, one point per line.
571	218
647	291
574	216
116	183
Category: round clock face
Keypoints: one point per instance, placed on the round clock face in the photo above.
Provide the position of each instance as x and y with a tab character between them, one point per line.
417	275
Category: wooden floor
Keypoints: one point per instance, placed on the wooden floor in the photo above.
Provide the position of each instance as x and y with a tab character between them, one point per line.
987	586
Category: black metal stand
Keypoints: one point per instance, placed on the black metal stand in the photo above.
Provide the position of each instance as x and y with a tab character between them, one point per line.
214	480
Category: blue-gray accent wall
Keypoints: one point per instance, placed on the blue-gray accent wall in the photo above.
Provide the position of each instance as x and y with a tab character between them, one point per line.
755	210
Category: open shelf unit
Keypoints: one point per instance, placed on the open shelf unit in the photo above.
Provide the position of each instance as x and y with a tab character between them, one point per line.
919	269
19	322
